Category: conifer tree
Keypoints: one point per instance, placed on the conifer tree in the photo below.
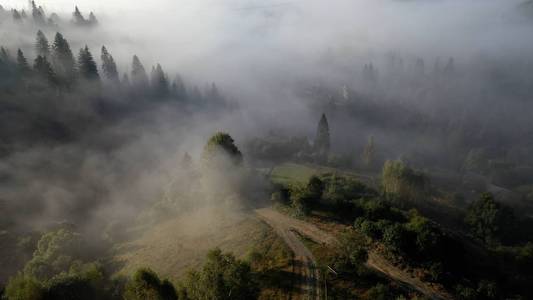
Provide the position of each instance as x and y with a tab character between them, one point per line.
109	67
369	152
17	17
87	66
63	60
92	19
139	79
22	63
37	14
322	139
4	55
42	47
77	17
43	68
159	81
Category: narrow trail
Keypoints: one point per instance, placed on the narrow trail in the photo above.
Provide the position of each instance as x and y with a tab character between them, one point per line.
285	227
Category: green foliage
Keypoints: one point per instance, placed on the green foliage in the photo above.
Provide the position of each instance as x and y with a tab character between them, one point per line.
21	287
379	292
221	146
396	239
400	182
56	252
351	253
490	221
221	277
146	285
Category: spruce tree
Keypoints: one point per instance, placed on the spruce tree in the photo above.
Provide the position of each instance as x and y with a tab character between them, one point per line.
43	68
322	139
37	14
159	82
4	55
77	17
22	63
63	60
16	16
87	66
109	67
139	79
42	47
369	153
92	19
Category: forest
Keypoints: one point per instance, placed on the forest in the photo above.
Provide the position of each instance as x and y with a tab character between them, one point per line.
276	150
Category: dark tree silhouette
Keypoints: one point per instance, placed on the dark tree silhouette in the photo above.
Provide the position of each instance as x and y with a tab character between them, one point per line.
42	47
22	63
109	67
139	79
63	60
87	66
159	82
322	139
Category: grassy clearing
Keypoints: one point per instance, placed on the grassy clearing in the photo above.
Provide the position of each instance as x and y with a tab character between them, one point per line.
300	173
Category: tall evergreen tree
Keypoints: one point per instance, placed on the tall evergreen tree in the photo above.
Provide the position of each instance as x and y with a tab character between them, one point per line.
77	17
86	64
109	67
22	63
369	153
63	60
322	139
139	79
92	19
37	14
4	55
43	68
159	82
17	17
42	47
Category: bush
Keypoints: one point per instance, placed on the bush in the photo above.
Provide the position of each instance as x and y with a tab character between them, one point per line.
221	277
146	285
21	287
491	221
400	182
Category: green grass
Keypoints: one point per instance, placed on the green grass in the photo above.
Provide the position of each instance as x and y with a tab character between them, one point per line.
300	173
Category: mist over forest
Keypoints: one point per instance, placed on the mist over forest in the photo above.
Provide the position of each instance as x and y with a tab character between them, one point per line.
400	129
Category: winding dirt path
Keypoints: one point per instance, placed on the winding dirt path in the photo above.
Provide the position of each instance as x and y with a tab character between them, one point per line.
285	227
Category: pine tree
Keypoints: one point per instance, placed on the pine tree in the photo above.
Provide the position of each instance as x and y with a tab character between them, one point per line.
63	60
322	139
44	69
178	88
22	63
4	55
159	82
77	17
126	81
109	67
37	14
87	66
369	152
42	47
16	16
92	19
139	79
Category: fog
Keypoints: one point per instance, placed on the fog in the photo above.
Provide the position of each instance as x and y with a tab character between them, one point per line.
265	56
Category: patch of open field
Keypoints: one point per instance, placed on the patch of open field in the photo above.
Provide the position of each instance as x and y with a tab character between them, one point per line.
300	173
179	244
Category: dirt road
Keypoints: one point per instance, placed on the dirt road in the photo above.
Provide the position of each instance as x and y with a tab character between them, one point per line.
285	227
304	262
